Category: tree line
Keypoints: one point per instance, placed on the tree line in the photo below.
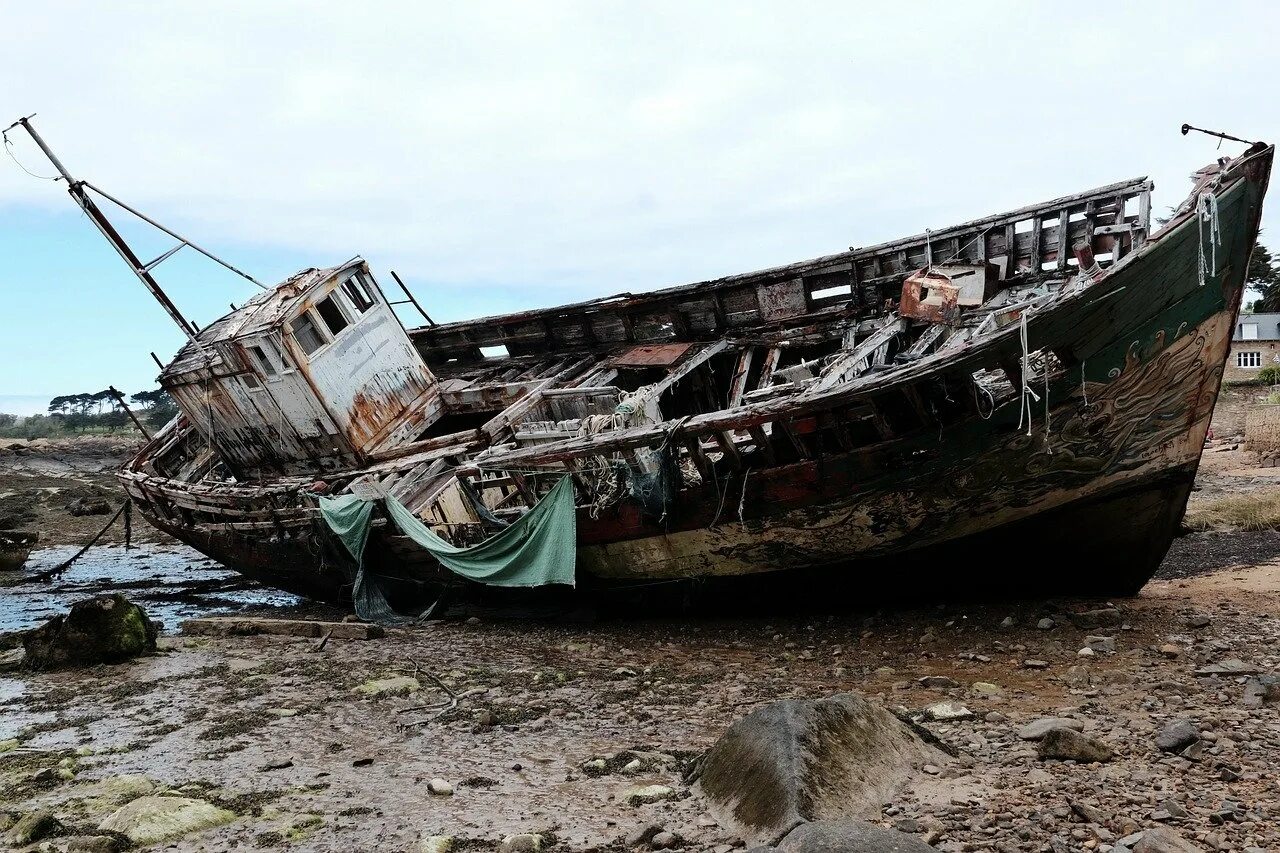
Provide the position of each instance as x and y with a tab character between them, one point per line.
99	411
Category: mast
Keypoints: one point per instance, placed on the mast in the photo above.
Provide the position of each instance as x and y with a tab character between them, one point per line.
142	271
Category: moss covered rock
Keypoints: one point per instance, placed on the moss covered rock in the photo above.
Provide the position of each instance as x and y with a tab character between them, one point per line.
148	820
106	629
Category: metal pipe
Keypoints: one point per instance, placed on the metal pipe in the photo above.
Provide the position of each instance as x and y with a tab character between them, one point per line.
76	189
409	295
172	234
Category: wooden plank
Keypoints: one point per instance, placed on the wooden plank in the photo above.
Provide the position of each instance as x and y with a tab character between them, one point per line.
738	385
850	361
653	392
762	446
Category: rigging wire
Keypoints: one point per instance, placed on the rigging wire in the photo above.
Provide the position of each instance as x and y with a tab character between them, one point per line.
8	149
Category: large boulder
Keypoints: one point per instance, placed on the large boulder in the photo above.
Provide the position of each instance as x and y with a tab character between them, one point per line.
849	836
106	629
801	760
148	820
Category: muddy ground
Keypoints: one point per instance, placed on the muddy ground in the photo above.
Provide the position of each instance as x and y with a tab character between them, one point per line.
516	717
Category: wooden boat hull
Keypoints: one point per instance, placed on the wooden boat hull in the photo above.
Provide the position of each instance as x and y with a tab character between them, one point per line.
1079	486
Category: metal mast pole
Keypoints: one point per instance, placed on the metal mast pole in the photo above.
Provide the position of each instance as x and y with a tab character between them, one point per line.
76	189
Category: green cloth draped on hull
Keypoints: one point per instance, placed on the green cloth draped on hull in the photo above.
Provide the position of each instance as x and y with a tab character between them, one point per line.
537	549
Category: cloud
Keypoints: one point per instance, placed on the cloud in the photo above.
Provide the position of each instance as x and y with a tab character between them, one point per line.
571	149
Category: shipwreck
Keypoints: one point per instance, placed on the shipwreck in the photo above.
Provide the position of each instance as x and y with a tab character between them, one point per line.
1020	399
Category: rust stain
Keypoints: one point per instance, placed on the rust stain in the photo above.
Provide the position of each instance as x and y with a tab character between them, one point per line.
652	355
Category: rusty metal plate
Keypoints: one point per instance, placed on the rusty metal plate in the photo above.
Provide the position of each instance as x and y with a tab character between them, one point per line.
652	355
782	300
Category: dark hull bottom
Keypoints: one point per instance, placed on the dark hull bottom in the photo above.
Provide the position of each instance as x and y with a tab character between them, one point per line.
1105	546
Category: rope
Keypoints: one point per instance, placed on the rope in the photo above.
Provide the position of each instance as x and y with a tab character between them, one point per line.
57	570
8	149
1028	395
1207	211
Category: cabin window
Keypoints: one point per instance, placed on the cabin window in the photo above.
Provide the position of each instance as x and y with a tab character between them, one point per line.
306	334
359	293
1248	359
332	315
1248	331
260	355
251	381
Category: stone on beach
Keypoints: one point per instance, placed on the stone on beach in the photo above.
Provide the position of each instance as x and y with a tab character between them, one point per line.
148	820
1037	729
848	836
105	629
1070	745
794	760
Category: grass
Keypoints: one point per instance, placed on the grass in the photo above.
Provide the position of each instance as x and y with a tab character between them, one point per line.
1259	511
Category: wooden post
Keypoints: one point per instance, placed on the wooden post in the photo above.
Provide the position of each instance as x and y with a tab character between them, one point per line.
120	399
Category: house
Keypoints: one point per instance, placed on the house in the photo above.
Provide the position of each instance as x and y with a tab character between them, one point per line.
1254	345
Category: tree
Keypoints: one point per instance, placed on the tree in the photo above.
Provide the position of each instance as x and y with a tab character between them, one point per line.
1263	276
7	420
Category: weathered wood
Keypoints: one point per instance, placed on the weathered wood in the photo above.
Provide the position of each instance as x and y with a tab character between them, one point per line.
245	626
852	361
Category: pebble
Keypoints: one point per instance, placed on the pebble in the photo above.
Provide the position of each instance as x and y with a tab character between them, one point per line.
440	788
1037	729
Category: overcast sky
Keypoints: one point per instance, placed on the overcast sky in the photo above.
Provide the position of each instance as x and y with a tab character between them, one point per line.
510	155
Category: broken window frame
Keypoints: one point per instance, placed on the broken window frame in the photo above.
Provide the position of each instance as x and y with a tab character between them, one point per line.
339	309
359	292
308	320
262	361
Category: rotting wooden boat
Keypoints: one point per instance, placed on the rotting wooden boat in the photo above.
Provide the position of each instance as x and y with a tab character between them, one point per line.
1016	401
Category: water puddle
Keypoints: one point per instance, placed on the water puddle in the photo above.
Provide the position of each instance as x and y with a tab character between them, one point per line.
171	582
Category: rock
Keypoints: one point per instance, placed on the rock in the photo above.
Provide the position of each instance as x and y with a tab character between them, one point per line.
399	685
1161	839
88	506
849	836
665	841
1171	651
1046	624
148	820
440	788
1231	666
986	689
436	844
1033	663
1100	644
1070	745
31	827
947	711
796	759
1008	622
525	842
644	794
1086	652
1037	729
118	790
105	629
1258	691
937	682
1198	620
8	744
643	834
1177	736
1107	617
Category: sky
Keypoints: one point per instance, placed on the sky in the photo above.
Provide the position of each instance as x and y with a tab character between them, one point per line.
510	155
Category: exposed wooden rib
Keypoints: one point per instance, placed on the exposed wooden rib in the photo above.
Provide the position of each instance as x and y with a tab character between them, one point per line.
738	385
852	360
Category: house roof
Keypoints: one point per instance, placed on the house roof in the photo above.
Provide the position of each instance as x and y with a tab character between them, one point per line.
1268	327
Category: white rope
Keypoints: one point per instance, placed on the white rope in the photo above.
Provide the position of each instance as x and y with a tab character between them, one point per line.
1028	395
1046	403
1083	388
1207	211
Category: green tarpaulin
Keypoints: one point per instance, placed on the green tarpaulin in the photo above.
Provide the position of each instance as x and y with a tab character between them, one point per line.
537	549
